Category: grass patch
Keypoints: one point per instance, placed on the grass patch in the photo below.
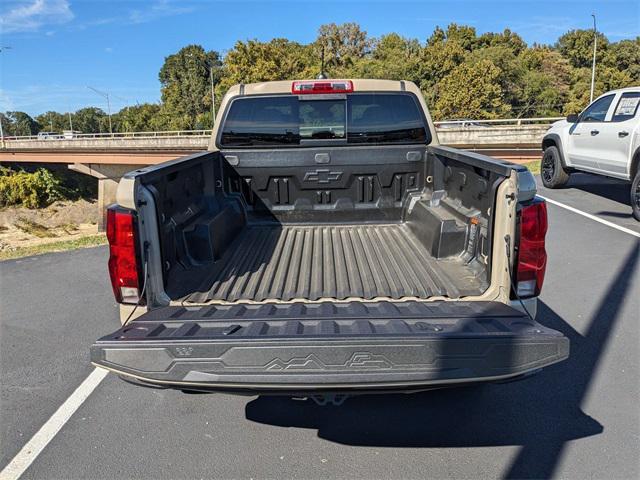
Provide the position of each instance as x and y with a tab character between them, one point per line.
33	228
61	246
68	228
534	167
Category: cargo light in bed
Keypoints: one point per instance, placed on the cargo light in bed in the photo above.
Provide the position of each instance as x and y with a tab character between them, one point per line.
321	86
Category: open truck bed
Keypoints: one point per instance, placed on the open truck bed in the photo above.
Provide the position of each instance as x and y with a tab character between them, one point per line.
269	233
333	262
326	246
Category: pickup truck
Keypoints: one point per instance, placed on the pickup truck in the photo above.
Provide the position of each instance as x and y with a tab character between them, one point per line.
604	139
327	245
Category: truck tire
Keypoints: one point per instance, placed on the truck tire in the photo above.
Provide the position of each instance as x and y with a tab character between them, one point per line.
635	196
551	170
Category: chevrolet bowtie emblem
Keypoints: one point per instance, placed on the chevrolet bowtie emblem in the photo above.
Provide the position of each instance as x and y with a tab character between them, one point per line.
322	176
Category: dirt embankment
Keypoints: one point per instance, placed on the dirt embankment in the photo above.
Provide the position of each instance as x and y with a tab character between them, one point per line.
63	220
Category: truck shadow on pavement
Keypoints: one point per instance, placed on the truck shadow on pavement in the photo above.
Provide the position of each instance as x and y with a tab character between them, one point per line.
540	413
612	189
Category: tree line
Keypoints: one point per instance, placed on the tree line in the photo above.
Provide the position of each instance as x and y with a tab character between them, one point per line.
462	75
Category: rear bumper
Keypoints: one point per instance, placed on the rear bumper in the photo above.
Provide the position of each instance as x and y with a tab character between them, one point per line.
342	351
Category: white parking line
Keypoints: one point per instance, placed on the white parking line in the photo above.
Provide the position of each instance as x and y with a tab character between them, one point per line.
42	437
592	217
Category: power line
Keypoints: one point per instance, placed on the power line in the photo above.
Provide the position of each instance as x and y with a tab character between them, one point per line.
105	95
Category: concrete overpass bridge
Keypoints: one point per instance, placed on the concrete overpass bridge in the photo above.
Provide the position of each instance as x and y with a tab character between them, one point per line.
108	156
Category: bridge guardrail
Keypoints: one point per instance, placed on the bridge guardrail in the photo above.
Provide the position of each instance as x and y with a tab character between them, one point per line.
114	135
441	125
497	122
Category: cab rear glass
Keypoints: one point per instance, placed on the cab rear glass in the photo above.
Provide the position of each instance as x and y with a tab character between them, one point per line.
291	120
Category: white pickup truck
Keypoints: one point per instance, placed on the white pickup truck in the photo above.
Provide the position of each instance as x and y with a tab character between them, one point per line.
604	139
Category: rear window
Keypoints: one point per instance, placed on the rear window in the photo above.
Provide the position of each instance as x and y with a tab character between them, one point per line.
367	118
627	107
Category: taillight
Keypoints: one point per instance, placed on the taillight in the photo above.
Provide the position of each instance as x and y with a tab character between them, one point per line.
532	256
322	86
123	258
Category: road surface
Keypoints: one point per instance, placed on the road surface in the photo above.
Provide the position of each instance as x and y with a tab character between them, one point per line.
578	419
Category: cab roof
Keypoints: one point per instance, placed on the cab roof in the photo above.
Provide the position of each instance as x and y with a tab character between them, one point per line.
623	90
359	84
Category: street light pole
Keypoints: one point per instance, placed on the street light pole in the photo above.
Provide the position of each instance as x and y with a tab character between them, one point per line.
593	65
105	95
213	98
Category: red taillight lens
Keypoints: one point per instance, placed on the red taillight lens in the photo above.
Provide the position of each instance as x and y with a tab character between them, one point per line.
322	86
532	256
123	261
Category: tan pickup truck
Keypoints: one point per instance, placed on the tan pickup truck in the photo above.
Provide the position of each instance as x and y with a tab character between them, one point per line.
324	245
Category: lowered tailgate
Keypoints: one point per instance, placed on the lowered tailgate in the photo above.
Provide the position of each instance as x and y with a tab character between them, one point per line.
300	347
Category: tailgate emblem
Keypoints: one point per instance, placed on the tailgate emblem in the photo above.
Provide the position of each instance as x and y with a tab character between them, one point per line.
322	175
184	351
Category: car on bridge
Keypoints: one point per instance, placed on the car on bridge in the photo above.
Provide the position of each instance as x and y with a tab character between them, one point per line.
604	140
48	136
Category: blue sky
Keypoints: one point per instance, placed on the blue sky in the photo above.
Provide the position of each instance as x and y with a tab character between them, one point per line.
59	47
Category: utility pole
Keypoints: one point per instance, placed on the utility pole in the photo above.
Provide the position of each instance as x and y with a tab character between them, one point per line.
213	93
213	98
70	122
593	65
105	95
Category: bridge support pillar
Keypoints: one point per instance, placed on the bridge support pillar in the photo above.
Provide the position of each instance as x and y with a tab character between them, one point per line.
108	176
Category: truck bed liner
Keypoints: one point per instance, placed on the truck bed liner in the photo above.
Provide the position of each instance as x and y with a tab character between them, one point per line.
288	262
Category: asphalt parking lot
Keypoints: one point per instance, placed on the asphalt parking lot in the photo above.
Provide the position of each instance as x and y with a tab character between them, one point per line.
578	419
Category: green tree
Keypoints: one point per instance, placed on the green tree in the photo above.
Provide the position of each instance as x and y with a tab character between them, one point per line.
343	46
90	120
545	83
607	78
278	59
461	74
507	38
625	56
513	74
577	47
393	57
471	90
139	118
464	35
437	60
186	85
53	121
19	124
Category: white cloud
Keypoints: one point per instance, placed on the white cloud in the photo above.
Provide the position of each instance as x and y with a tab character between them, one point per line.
158	9
30	16
108	49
